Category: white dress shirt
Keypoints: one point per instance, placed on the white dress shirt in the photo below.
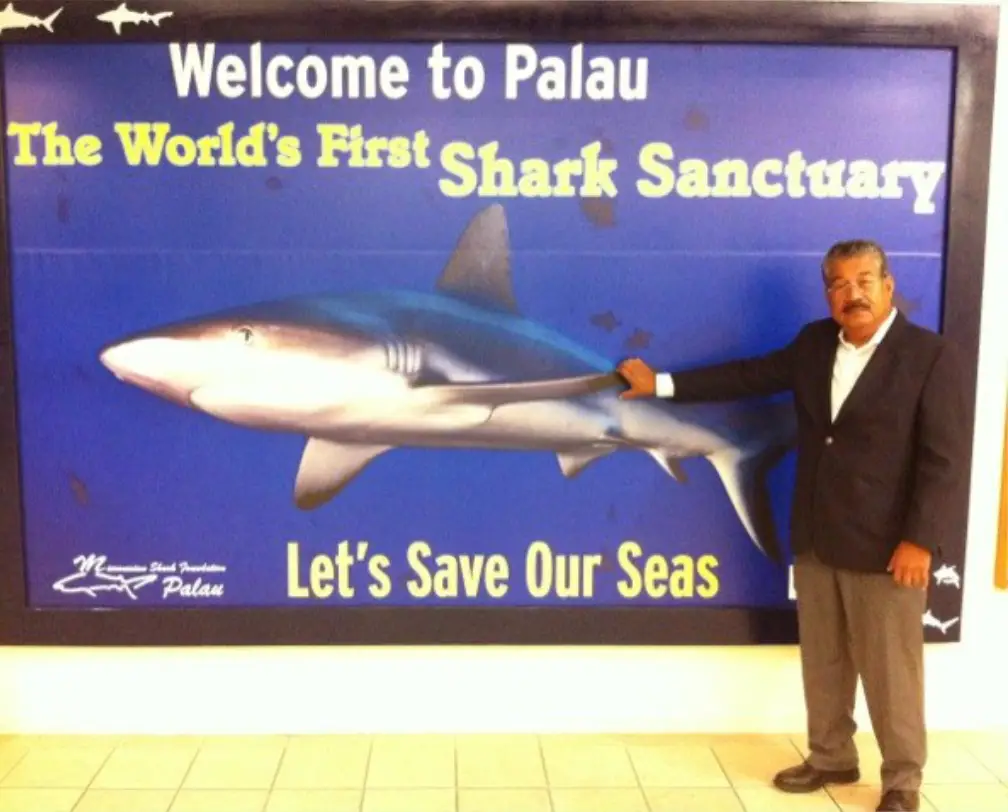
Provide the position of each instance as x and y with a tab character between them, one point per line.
850	363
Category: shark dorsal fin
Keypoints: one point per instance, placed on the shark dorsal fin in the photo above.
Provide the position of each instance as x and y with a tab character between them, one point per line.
479	269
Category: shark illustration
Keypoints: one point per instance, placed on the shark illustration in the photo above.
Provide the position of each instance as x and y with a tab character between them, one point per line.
11	19
361	374
943	626
91	578
121	15
946	575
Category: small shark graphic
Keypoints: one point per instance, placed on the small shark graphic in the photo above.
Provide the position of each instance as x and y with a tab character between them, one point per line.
91	578
10	19
946	575
121	16
364	373
930	620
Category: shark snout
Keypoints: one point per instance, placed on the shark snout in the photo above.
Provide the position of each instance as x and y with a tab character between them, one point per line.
163	366
131	359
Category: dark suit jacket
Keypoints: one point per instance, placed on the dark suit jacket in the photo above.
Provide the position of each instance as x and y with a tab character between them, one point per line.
894	464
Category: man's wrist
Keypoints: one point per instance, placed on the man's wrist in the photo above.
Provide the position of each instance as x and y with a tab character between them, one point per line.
664	385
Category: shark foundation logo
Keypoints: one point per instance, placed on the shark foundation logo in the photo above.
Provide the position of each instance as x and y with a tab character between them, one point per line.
11	20
122	15
362	374
946	575
943	626
94	575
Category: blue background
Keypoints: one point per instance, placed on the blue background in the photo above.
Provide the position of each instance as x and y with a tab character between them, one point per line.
101	252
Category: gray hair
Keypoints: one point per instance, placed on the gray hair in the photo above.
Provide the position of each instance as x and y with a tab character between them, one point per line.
848	249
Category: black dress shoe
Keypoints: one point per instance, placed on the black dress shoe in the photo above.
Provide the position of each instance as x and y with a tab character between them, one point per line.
806	778
896	800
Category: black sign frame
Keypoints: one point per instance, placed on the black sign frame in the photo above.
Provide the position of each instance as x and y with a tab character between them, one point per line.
970	31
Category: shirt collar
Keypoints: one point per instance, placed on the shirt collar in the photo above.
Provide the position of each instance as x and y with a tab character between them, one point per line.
876	339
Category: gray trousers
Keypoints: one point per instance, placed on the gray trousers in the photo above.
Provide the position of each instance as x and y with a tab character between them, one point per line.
853	624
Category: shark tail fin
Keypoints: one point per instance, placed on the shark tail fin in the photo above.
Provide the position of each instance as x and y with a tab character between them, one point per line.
744	479
762	439
47	23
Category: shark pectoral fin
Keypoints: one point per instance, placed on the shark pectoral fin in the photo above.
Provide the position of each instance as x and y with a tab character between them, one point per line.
574	462
479	269
501	394
744	476
326	468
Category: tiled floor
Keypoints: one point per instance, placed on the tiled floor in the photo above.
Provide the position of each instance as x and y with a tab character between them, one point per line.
966	773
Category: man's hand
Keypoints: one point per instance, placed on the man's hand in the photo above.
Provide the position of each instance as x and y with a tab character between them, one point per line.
910	565
640	378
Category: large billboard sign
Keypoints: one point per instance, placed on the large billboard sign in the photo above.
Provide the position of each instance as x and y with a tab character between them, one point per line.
311	311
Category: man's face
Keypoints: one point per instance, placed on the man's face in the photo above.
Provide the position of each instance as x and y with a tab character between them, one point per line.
859	296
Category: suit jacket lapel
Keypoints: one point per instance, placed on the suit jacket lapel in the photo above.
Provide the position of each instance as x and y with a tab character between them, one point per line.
878	369
824	383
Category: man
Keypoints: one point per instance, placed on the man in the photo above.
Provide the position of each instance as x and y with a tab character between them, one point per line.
882	450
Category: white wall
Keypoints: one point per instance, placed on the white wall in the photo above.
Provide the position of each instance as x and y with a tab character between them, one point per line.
488	689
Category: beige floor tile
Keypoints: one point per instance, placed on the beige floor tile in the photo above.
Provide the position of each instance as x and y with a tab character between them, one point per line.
234	768
315	800
559	740
668	739
331	739
504	800
761	799
950	761
491	739
145	767
863	798
220	800
11	754
991	750
71	742
126	800
232	742
57	768
681	799
677	765
409	800
412	762
38	800
330	744
598	800
753	760
968	797
593	764
163	742
510	762
318	764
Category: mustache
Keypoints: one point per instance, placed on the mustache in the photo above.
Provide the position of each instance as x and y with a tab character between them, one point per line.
858	305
